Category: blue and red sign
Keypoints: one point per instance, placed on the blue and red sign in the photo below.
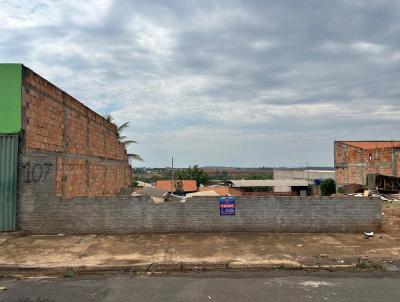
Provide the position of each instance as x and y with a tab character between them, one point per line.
226	205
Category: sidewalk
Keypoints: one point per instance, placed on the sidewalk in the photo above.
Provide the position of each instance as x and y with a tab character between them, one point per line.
155	252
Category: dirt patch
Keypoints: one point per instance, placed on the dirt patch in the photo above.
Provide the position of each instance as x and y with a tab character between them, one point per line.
391	220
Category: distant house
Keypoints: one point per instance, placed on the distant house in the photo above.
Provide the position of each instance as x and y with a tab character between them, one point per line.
221	190
268	187
307	174
178	186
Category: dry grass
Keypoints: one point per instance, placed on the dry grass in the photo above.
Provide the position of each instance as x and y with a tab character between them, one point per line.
391	221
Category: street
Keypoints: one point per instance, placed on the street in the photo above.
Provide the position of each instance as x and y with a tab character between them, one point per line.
211	286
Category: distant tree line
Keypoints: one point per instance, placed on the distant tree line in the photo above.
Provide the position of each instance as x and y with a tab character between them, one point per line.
191	173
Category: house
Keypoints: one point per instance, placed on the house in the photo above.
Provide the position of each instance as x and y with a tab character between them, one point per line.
307	174
354	160
178	186
268	187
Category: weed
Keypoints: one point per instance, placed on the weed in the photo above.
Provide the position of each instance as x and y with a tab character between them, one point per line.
69	274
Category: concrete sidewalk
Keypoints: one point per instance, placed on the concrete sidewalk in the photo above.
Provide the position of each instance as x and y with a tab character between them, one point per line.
157	252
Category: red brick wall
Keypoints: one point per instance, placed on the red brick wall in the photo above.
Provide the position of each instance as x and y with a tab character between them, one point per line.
398	164
353	164
90	159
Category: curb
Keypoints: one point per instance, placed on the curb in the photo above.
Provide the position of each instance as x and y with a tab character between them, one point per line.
169	267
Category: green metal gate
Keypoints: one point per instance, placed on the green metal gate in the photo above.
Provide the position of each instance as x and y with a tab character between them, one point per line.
8	181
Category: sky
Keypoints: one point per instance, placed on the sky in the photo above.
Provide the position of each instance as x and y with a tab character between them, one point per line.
220	82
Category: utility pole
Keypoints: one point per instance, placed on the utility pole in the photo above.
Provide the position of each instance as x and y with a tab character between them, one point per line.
172	175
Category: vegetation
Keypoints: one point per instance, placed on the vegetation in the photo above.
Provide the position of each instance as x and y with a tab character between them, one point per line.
134	183
328	187
340	190
151	175
194	173
69	274
152	178
179	187
363	264
225	176
258	176
123	138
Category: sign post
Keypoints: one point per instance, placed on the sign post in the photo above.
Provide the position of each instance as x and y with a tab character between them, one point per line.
226	206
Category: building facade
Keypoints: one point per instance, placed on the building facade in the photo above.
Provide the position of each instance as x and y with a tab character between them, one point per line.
307	174
354	160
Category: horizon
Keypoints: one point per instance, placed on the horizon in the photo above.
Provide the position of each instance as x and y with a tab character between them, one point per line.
237	167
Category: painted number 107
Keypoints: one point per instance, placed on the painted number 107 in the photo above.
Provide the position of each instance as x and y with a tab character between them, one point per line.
36	172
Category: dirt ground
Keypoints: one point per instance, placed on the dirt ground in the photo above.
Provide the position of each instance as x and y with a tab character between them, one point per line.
391	219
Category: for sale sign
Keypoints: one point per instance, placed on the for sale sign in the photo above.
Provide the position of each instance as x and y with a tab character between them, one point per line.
226	205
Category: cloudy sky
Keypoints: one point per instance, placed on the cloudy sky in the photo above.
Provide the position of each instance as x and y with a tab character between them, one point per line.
238	83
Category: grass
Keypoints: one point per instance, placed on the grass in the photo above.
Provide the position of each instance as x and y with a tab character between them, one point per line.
363	264
69	274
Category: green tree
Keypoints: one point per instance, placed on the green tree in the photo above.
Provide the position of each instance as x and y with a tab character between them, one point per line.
224	176
123	138
328	187
258	176
194	173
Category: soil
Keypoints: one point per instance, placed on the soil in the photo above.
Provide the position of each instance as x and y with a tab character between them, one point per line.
391	220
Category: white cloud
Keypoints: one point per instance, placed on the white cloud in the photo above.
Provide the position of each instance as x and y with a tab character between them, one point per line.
367	47
152	38
262	44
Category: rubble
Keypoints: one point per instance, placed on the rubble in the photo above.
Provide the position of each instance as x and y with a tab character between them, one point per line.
158	195
384	197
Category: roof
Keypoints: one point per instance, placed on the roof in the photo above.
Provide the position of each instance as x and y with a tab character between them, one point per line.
373	144
187	185
269	183
204	193
221	190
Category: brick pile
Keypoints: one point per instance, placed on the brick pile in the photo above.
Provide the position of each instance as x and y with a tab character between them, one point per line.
91	161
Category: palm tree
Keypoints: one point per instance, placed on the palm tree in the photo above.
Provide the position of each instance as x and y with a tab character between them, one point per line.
123	138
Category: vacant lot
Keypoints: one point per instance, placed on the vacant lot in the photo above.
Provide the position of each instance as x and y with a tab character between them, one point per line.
391	221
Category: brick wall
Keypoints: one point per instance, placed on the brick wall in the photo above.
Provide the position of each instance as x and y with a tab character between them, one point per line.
353	164
88	158
398	163
42	212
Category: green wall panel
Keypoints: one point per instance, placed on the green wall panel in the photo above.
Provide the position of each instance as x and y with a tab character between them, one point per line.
10	98
8	181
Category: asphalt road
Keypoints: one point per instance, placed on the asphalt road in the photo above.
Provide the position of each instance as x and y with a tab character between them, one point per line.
238	286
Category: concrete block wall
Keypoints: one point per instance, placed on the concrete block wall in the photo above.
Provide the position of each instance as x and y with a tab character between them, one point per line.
126	215
89	159
353	164
43	212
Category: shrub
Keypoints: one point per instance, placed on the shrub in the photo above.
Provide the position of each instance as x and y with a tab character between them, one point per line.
328	187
